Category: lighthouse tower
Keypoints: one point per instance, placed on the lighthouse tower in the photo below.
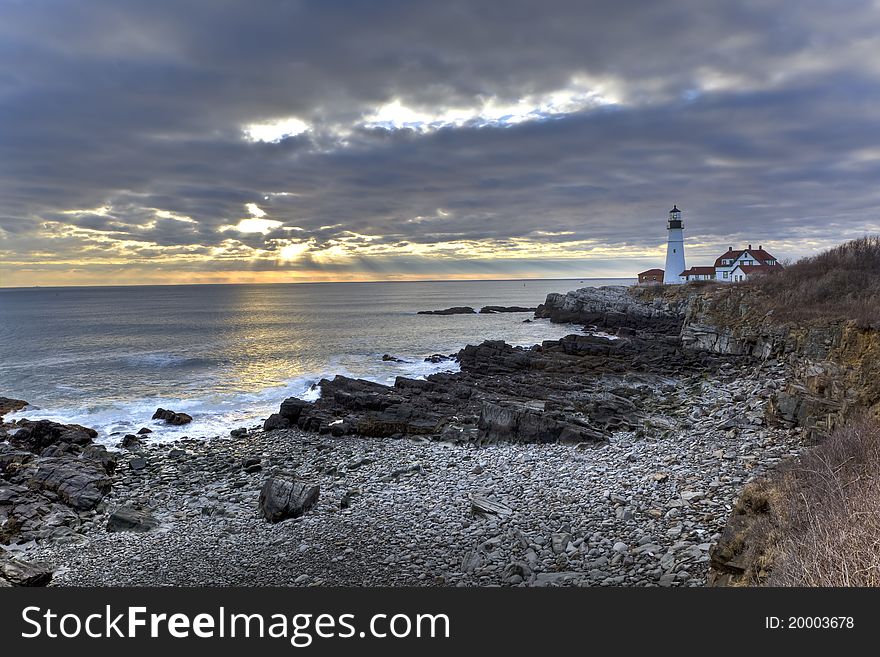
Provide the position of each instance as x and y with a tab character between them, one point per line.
674	247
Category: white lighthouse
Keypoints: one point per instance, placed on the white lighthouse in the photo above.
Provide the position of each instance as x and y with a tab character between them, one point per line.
674	247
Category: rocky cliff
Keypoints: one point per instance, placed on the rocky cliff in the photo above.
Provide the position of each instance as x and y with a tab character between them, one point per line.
833	366
832	375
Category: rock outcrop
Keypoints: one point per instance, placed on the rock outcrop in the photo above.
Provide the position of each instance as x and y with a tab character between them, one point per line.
490	310
51	477
612	307
455	310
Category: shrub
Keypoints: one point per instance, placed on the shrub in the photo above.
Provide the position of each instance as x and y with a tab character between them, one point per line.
829	532
841	283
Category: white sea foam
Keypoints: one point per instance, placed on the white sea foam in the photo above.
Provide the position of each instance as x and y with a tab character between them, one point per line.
217	414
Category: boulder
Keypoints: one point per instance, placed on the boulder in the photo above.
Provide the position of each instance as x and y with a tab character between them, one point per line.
172	417
143	431
130	442
292	408
281	499
127	519
388	358
22	573
276	421
521	423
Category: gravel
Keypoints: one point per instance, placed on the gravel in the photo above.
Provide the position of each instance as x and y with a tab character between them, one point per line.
642	510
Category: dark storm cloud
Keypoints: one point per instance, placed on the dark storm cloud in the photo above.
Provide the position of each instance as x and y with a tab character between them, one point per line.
758	118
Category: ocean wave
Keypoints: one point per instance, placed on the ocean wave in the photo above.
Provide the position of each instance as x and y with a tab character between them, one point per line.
217	414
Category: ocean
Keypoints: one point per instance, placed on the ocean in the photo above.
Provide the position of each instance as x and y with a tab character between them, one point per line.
107	357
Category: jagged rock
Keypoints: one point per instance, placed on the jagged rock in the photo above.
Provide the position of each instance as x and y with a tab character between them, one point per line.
79	483
127	519
172	417
523	423
494	357
99	454
456	310
22	573
37	436
281	499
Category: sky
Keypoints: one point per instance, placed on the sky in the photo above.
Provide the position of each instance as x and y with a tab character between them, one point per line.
223	141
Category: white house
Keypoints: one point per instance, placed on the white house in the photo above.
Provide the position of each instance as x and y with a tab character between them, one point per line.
734	266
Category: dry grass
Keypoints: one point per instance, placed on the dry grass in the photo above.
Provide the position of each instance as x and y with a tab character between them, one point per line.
829	533
841	283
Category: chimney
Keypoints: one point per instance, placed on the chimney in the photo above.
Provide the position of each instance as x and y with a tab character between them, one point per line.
760	248
750	247
729	248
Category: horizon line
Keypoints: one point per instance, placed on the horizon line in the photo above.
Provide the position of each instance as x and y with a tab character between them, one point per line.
414	280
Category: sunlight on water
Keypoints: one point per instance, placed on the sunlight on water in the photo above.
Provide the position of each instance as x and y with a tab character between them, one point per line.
228	354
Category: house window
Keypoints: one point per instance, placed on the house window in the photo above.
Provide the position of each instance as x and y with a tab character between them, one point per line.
725	274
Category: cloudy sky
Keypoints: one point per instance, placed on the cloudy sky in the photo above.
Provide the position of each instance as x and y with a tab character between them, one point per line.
223	141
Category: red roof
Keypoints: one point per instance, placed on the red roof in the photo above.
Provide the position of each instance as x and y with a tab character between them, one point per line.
693	271
652	272
759	269
758	254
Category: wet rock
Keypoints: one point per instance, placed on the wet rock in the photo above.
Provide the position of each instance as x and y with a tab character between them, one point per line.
275	421
130	442
8	405
144	431
43	434
172	417
438	358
